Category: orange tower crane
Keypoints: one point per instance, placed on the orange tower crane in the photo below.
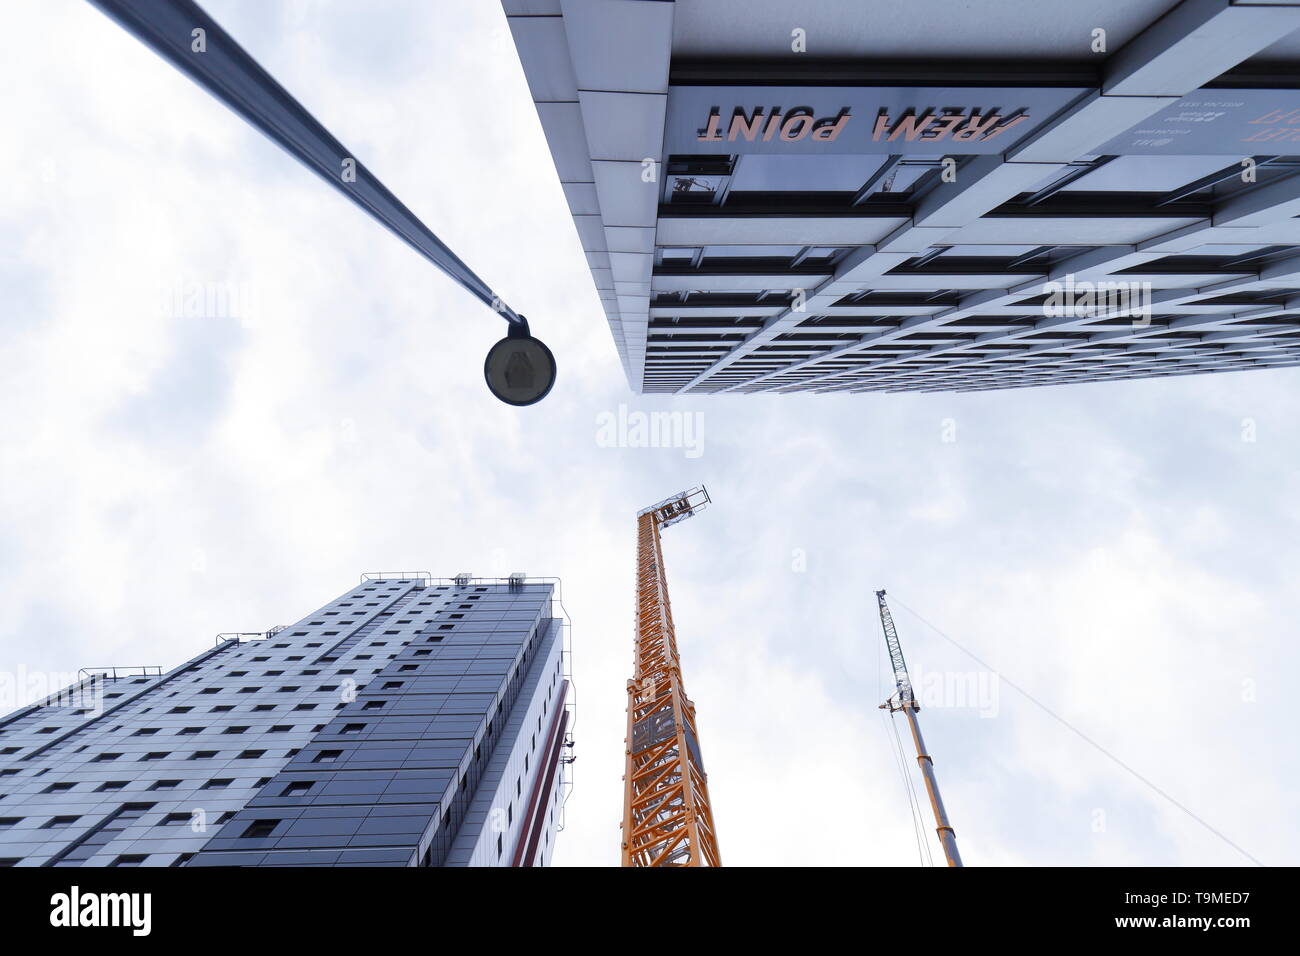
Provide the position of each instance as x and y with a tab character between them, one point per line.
667	816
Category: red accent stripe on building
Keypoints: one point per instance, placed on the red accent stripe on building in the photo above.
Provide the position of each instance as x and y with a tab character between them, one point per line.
534	818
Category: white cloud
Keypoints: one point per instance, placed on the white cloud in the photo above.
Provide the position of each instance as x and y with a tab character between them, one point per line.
1118	550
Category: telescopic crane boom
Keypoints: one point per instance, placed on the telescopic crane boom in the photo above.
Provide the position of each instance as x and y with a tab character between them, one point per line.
904	700
667	817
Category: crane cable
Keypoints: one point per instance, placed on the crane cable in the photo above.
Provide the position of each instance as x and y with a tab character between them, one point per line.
922	844
913	801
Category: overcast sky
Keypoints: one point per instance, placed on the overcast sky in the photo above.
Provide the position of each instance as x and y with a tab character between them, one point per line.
1120	551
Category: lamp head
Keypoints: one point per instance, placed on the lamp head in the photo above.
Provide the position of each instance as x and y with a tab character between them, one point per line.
519	369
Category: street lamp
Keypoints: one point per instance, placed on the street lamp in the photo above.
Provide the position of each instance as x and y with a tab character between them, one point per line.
520	370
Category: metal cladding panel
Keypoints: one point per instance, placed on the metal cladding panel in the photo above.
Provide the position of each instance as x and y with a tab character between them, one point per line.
567	140
624	127
619	46
544	54
849	230
876	30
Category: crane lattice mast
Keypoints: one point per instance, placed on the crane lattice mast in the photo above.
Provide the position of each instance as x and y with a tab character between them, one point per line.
903	699
667	816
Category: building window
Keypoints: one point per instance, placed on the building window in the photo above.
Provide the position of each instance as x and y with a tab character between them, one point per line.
260	828
130	859
218	783
55	823
327	756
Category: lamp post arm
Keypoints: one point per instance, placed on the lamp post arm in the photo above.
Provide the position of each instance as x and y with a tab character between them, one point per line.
181	32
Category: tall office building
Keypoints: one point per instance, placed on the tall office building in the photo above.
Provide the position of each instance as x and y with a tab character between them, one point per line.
921	195
411	722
